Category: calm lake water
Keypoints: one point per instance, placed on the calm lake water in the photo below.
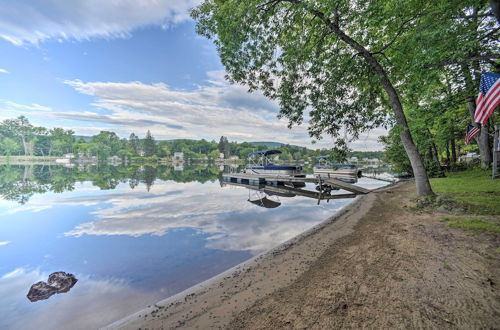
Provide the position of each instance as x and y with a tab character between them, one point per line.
131	235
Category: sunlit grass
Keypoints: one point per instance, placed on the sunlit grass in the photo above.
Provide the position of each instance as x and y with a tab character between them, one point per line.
476	224
472	187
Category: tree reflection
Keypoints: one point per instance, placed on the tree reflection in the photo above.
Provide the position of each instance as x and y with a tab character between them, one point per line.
20	182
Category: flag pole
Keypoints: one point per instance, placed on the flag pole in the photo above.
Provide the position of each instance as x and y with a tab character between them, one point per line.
496	152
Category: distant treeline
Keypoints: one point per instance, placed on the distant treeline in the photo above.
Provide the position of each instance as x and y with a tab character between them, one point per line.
19	137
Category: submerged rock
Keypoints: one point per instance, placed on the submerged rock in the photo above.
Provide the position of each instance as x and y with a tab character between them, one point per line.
59	282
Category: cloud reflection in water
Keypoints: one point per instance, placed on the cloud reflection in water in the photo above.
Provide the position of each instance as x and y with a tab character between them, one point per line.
224	214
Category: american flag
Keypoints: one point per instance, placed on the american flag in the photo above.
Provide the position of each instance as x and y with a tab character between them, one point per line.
471	132
488	98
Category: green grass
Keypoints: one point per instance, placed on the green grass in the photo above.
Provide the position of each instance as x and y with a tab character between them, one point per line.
472	187
476	224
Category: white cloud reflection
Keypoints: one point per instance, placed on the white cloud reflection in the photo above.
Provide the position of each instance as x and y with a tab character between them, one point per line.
230	222
4	242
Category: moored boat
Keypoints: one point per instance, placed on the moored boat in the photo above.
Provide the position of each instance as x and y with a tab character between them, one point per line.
259	163
346	172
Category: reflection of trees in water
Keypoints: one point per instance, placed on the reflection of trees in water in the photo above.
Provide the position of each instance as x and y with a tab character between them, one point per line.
20	182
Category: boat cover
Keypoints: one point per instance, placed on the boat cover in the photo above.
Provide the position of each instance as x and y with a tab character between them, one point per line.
273	167
264	152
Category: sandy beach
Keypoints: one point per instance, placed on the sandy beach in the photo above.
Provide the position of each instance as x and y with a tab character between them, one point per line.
375	264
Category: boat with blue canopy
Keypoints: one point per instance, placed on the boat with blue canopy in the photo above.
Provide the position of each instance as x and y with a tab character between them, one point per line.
260	163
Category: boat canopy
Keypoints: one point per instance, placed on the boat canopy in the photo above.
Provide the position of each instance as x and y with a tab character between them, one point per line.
264	152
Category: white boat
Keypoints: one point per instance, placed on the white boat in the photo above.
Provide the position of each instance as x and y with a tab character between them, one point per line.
346	172
260	164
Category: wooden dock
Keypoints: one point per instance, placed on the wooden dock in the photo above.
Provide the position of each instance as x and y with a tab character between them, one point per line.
276	180
294	191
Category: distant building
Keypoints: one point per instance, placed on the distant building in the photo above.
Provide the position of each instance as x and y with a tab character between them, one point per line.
114	159
468	157
221	155
179	155
234	157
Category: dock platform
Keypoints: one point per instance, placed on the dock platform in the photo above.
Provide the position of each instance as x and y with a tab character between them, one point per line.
277	180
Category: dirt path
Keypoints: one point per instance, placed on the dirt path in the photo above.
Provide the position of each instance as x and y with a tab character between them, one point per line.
398	269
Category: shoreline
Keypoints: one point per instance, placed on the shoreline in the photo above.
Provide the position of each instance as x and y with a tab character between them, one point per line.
212	303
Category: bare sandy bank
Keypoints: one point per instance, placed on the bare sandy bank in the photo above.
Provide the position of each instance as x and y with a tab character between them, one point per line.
213	303
377	264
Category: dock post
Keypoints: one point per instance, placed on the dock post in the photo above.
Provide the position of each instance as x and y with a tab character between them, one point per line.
496	152
320	195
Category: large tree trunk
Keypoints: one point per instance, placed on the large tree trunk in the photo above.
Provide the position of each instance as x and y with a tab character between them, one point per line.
25	145
453	149
421	178
448	151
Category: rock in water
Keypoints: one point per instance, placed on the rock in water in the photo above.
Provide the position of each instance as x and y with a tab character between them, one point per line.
59	282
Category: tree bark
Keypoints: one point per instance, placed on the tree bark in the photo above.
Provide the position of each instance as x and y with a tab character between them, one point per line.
25	145
421	178
453	149
448	151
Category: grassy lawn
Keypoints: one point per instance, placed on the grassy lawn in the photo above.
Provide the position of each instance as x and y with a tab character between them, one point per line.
472	224
472	187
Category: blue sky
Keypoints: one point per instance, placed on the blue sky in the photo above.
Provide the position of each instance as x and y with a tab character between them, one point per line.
129	66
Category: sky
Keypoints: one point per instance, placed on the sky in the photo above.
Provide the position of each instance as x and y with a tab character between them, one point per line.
130	66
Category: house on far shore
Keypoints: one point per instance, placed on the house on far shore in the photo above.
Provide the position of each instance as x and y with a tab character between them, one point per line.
234	158
178	156
471	156
114	160
221	155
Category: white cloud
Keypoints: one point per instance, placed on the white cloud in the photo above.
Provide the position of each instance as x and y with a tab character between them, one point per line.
3	71
32	107
208	111
31	22
4	243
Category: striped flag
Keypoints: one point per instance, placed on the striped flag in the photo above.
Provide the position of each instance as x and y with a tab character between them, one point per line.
471	132
488	98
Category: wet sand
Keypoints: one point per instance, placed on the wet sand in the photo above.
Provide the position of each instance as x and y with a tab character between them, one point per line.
375	264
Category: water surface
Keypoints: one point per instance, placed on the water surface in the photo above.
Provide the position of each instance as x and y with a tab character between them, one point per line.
131	235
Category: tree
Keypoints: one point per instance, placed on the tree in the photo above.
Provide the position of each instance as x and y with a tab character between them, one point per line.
134	143
21	129
224	147
315	57
61	141
9	146
105	144
149	145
